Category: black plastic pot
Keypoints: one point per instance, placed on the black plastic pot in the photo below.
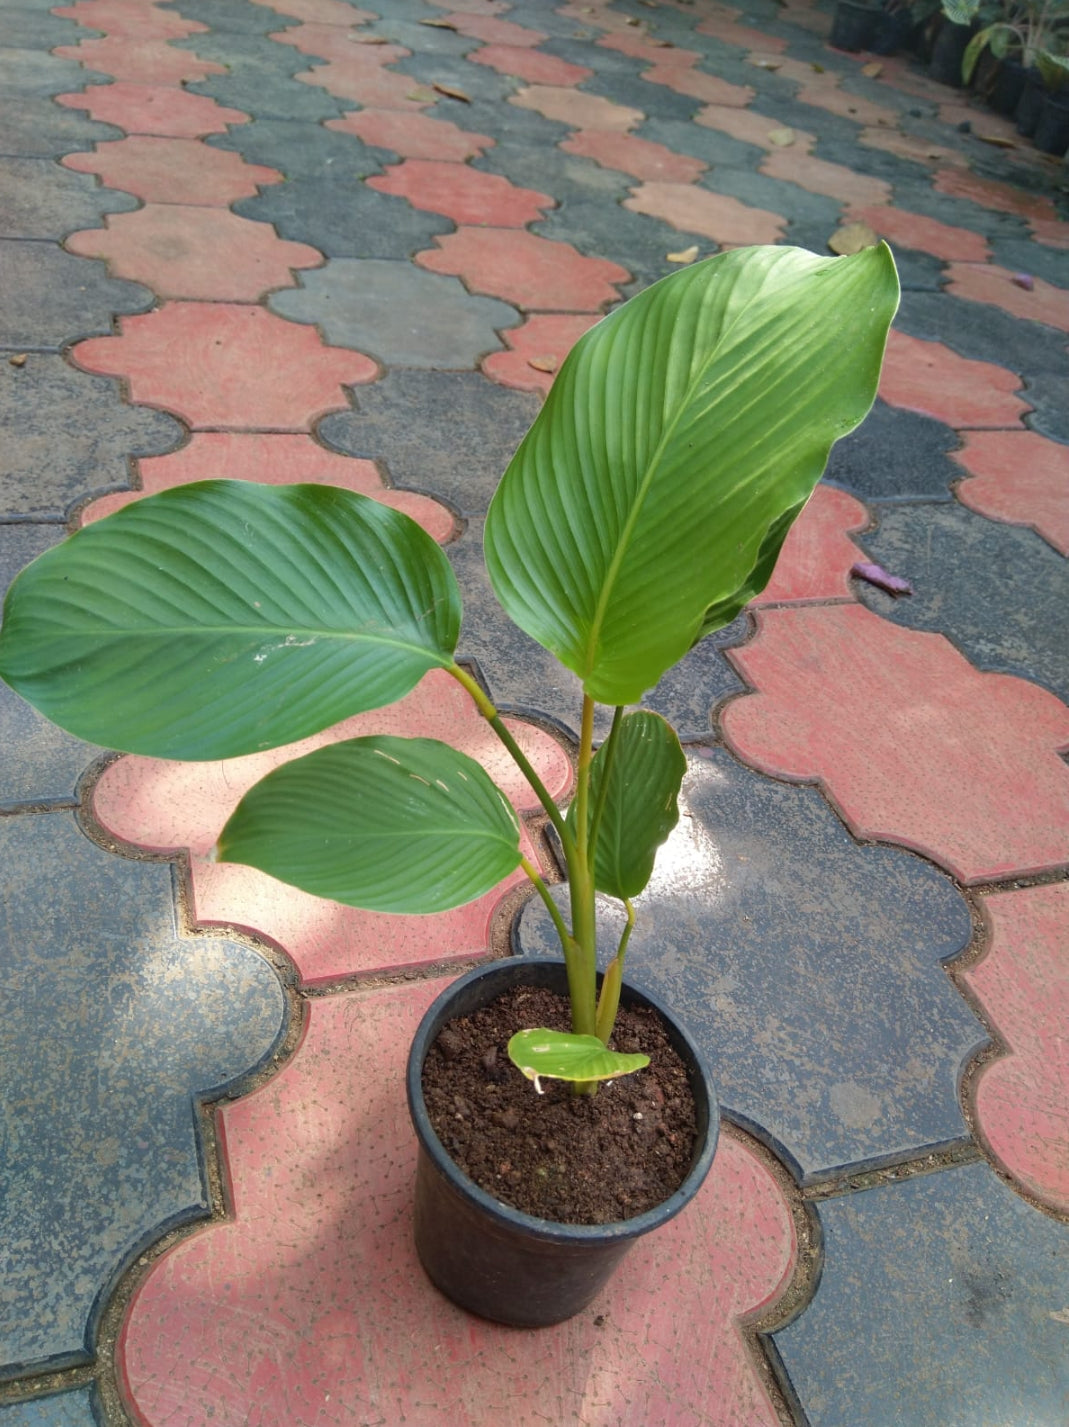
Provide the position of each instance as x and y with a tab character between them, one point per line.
948	53
894	31
854	26
488	1257
1052	131
1030	105
1008	87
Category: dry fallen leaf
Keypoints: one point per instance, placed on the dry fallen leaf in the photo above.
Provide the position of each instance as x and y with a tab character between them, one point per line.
439	24
543	364
421	96
817	68
686	256
632	20
451	92
872	71
782	138
19	361
851	238
997	140
761	63
370	39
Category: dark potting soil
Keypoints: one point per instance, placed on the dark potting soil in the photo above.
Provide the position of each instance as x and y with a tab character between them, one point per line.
574	1159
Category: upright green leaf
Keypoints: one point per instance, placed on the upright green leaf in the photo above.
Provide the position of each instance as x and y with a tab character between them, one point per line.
388	824
678	434
640	807
224	617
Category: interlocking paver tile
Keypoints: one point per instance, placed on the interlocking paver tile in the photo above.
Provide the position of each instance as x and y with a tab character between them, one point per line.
159	109
369	85
536	350
65	435
990	193
143	61
345	220
30	73
36	128
914	230
818	553
161	805
1022	1098
809	1023
531	65
819	176
1054	232
51	297
751	127
68	1409
206	253
641	158
164	170
413	136
576	109
999	592
322	12
304	152
1019	477
37	27
697	84
278	458
116	1024
260	89
911	742
334	42
729	32
130	19
981	1269
909	146
493	31
397	313
41	200
223	365
463	194
989	284
521	268
930	378
848	106
713	215
638	46
731	1251
896	455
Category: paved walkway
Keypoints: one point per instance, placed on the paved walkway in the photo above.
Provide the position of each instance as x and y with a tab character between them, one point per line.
316	242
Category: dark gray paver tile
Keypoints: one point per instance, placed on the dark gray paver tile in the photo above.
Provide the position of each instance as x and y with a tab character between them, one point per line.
239	17
710	145
65	435
343	218
44	200
477	81
51	297
942	1300
999	592
67	1409
38	29
895	455
1050	414
301	148
807	966
257	88
115	1024
638	242
37	127
397	313
42	763
30	71
1031	259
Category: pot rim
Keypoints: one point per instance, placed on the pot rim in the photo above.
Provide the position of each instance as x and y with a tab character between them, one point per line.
551	1229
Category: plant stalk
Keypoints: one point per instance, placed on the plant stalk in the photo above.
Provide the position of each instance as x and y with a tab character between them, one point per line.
609	1001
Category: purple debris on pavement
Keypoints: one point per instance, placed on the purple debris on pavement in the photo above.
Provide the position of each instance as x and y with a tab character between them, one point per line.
878	576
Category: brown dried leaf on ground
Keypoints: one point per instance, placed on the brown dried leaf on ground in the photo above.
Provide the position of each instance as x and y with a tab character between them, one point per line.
872	71
851	238
543	364
452	92
782	138
686	256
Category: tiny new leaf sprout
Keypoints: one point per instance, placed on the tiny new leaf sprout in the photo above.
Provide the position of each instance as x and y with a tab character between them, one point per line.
646	506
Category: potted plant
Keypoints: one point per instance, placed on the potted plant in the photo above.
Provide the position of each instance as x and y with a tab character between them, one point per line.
647	504
1023	34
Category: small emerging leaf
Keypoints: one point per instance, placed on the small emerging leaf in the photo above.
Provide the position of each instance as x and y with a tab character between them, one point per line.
559	1055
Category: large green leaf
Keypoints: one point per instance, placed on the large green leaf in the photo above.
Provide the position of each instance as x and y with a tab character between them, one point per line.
224	617
677	435
388	824
640	807
560	1055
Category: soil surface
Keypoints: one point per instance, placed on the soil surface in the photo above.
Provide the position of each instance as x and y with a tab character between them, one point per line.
575	1159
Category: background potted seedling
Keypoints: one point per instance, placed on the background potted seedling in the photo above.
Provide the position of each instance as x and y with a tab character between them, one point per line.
645	507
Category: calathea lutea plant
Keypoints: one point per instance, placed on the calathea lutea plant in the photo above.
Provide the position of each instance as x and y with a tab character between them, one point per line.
645	507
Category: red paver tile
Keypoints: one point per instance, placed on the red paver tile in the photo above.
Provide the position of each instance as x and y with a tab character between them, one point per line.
641	158
929	378
819	176
714	215
492	31
173	170
698	85
545	340
226	365
370	85
530	65
142	61
849	106
158	109
909	742
132	19
818	553
750	128
156	804
729	32
322	12
995	286
1051	232
906	146
205	253
533	273
901	74
1002	197
332	42
639	46
1022	1098
578	111
925	235
1018	477
310	1305
274	458
985	123
412	135
464	194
